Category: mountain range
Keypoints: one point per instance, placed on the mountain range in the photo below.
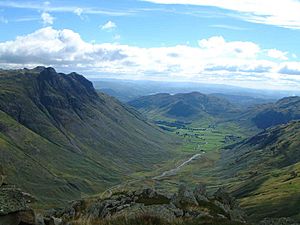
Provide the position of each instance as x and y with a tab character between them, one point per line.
60	139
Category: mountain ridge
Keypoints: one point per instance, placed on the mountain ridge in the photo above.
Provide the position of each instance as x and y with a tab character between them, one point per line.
186	106
68	138
272	114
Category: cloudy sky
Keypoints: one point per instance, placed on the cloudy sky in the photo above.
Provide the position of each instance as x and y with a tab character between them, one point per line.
250	43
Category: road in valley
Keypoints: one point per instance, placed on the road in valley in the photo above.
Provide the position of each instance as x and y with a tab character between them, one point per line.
176	169
108	193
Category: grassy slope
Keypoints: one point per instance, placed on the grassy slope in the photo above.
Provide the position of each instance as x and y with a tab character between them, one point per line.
60	140
263	172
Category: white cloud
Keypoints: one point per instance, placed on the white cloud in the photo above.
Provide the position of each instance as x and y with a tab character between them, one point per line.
58	8
47	18
78	11
227	27
215	60
276	54
217	46
283	13
108	26
290	68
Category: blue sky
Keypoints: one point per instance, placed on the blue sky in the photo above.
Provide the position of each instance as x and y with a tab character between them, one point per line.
246	43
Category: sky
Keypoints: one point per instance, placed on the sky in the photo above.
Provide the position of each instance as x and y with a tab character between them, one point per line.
248	43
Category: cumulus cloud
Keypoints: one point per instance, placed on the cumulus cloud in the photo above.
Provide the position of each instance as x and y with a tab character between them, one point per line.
47	18
283	13
219	47
108	26
290	68
57	47
213	60
276	54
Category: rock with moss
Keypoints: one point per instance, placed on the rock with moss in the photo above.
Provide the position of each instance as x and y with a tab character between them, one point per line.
200	193
278	221
186	205
2	176
184	197
14	206
229	204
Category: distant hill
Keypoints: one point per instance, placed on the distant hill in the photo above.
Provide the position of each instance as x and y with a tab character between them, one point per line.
268	115
186	106
59	138
264	171
243	100
128	90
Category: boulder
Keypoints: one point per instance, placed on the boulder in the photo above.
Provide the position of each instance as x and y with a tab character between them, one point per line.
14	207
184	197
168	212
278	221
224	197
229	205
200	193
27	217
2	176
1	180
39	219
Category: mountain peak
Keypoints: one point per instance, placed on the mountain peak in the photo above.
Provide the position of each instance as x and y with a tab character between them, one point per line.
39	69
74	84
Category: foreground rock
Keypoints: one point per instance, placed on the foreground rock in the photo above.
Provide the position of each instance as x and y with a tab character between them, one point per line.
163	208
278	221
14	209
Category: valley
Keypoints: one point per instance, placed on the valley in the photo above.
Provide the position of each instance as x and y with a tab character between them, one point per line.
256	181
78	143
150	112
194	160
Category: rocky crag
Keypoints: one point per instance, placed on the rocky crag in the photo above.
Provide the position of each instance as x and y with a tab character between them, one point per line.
14	206
148	206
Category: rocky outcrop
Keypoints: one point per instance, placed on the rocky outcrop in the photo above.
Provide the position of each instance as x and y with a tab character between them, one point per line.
278	221
185	205
229	204
14	209
184	197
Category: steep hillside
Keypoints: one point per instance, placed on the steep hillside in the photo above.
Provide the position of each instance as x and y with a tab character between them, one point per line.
268	115
264	171
59	139
184	107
